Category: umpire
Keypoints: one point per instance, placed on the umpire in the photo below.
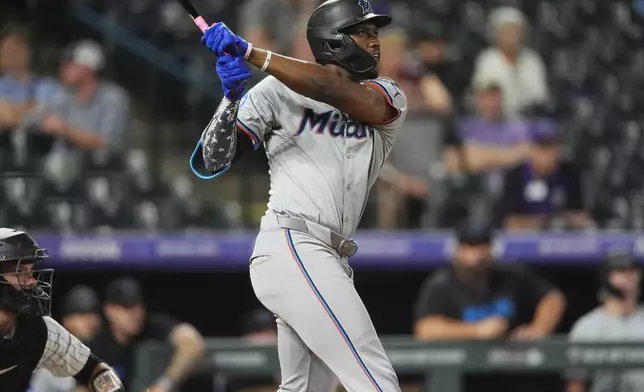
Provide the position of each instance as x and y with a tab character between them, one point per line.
29	338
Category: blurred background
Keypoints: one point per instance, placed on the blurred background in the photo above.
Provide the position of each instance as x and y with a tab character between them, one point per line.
525	120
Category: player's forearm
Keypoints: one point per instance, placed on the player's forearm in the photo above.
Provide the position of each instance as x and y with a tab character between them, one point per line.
318	83
219	139
441	328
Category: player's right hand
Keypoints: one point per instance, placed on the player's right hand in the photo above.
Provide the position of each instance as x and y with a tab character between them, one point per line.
492	328
233	73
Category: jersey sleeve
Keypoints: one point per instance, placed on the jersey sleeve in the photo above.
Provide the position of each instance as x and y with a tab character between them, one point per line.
64	355
257	113
395	97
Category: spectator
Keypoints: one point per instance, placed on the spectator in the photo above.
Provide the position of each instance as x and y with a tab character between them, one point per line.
619	318
91	114
543	189
82	313
519	71
442	80
478	299
21	91
403	186
129	323
486	141
272	24
82	318
258	328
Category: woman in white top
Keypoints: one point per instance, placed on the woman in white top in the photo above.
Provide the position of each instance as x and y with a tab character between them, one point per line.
518	70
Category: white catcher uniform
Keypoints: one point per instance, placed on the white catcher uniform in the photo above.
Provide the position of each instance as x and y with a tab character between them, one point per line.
322	166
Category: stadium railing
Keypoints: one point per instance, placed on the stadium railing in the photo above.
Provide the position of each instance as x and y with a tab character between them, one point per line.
443	363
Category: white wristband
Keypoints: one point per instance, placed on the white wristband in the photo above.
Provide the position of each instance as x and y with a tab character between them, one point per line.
269	54
248	50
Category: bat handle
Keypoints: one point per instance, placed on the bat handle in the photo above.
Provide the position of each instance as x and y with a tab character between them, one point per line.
201	23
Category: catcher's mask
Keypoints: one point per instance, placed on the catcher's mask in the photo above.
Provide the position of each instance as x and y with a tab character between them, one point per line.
614	261
24	287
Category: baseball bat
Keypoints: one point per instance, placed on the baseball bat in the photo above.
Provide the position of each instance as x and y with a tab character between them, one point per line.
198	19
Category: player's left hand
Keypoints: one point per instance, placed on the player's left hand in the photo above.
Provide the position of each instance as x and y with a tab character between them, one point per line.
234	73
222	41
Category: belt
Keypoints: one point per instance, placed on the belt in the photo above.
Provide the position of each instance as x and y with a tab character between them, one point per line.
345	246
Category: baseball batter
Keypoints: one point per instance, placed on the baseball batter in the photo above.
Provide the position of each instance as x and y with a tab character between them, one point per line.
327	129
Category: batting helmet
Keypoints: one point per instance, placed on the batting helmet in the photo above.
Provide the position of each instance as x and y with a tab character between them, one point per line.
23	290
327	35
613	262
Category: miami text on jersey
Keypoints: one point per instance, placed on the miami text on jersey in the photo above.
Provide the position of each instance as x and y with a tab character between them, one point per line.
333	123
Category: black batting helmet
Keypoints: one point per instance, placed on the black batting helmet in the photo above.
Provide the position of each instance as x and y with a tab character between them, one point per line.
614	261
326	33
23	290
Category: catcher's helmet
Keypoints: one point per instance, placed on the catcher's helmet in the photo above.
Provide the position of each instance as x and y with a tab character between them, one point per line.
614	261
326	33
23	290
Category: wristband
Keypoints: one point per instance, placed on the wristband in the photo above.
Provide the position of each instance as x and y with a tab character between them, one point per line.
248	50
106	381
269	54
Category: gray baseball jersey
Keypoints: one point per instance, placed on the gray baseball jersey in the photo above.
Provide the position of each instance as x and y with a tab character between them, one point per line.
600	326
322	163
322	166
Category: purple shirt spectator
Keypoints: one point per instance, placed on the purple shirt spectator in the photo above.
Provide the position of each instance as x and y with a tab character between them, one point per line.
480	131
544	185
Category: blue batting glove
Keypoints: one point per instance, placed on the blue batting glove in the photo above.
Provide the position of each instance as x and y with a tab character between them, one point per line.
221	41
233	73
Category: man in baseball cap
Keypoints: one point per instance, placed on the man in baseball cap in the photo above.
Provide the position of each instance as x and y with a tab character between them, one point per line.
544	191
92	114
619	318
476	298
82	312
129	323
619	277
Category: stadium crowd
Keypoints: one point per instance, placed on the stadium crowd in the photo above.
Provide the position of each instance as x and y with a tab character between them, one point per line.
506	124
523	116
